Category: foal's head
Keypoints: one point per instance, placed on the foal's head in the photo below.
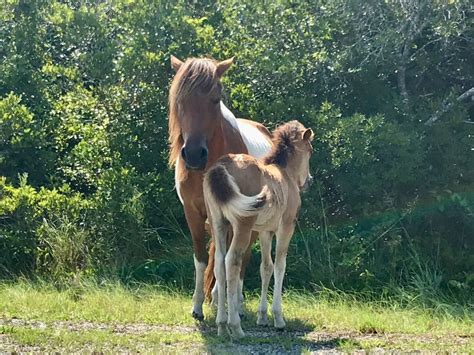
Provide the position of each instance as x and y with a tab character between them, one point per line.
195	112
292	150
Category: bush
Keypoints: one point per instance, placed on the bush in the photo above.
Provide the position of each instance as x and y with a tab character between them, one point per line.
83	112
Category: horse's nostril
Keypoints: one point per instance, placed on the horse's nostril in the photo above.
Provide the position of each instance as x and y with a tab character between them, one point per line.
183	153
204	153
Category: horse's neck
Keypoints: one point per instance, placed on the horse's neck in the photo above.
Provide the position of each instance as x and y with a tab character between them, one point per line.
229	116
226	138
289	174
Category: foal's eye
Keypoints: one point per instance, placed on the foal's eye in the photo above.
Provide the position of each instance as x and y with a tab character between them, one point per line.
216	101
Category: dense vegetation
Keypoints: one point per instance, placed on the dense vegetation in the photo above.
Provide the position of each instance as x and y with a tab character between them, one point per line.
85	190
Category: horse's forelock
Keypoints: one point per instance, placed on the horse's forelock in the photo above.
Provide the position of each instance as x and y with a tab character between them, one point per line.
196	74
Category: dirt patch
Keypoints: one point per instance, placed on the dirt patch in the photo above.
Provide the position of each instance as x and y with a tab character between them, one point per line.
258	340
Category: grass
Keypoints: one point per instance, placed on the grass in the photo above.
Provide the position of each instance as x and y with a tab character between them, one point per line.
322	320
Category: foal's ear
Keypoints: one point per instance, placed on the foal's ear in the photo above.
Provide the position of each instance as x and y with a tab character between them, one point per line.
223	66
308	134
176	63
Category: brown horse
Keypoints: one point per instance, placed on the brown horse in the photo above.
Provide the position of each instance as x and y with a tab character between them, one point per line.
202	129
245	195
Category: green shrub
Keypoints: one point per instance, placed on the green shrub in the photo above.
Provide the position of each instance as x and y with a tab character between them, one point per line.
83	112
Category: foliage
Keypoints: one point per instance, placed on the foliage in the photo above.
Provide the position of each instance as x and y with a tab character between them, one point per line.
83	114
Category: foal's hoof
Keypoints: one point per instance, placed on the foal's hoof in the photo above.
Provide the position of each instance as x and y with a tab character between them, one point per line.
279	324
197	316
235	331
221	329
262	319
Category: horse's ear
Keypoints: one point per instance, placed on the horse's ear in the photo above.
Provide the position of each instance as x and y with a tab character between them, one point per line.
176	63
223	66
308	134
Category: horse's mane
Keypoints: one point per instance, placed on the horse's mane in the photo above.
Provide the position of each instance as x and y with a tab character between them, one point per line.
195	73
284	138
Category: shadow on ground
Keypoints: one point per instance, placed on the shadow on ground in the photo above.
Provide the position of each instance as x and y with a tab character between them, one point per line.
298	337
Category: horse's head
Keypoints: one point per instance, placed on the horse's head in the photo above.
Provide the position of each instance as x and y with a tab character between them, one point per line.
195	112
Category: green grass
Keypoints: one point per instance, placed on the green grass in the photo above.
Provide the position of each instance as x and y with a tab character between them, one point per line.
348	324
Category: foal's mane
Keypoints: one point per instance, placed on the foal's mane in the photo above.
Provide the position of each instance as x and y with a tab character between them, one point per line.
284	138
194	74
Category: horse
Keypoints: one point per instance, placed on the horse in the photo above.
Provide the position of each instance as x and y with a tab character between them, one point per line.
202	129
244	194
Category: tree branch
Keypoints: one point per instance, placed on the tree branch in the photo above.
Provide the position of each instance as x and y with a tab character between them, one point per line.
448	105
401	75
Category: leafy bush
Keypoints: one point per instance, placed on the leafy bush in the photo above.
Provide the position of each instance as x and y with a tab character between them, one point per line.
83	112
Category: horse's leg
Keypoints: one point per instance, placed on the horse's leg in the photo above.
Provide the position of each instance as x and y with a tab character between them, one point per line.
196	226
266	271
219	235
283	237
245	262
233	264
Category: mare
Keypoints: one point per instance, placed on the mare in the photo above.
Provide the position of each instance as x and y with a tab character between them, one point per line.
244	194
202	129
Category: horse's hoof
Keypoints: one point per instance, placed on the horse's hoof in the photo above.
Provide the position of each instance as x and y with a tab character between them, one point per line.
197	316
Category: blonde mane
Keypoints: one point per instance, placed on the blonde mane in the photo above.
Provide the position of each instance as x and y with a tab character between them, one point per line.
195	74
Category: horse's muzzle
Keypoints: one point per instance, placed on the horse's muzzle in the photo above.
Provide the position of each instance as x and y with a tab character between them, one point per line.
194	156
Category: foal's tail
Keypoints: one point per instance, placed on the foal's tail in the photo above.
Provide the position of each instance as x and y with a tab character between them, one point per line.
227	196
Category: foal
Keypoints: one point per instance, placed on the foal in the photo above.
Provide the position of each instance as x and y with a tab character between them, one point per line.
248	195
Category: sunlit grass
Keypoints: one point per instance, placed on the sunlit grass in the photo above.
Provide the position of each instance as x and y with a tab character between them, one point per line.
113	303
102	339
109	303
333	312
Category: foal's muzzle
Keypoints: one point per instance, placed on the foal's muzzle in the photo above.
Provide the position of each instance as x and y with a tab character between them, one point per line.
194	154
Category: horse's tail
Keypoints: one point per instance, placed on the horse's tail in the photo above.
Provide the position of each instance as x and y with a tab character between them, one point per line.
226	194
209	279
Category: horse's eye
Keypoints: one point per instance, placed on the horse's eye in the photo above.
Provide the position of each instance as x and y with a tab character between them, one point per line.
216	101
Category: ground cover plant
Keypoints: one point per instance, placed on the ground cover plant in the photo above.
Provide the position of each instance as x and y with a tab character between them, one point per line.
111	317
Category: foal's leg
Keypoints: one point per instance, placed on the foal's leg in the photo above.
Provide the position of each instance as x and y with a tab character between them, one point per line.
245	262
233	264
219	233
283	237
266	271
196	226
